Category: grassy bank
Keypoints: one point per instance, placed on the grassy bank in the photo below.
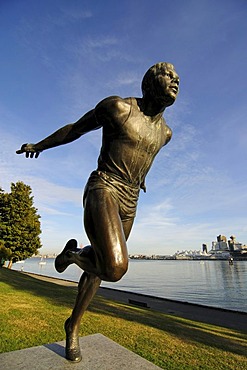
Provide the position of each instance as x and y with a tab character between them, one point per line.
32	313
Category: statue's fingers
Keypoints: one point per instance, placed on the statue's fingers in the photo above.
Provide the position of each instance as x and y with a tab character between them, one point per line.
36	154
31	154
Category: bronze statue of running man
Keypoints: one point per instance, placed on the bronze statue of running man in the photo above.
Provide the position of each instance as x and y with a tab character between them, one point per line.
134	131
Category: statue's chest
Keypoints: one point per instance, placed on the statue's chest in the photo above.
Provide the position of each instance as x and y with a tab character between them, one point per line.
144	135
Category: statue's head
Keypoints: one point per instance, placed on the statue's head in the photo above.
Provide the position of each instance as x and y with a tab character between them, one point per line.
161	80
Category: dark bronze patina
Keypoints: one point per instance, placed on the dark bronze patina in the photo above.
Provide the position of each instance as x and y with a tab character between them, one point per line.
134	131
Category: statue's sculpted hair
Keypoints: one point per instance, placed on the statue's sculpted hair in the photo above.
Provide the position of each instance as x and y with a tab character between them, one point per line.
151	73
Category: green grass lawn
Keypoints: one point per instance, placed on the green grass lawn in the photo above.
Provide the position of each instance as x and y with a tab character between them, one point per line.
32	313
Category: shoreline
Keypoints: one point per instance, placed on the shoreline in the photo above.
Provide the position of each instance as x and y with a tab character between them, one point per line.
232	319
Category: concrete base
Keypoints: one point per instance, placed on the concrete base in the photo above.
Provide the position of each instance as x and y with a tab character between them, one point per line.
98	353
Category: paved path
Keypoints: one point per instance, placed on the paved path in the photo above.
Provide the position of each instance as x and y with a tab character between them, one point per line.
216	316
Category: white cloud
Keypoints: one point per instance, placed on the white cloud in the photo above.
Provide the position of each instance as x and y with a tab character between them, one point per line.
71	14
125	79
99	42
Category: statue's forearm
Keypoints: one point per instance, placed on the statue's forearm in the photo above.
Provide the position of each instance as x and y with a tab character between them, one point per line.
62	136
70	132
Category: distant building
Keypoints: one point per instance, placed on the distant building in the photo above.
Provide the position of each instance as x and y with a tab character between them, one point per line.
230	248
220	244
233	244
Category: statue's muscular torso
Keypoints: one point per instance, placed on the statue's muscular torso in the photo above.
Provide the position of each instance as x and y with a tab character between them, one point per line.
130	140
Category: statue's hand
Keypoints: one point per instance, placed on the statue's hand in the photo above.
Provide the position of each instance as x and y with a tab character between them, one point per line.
30	150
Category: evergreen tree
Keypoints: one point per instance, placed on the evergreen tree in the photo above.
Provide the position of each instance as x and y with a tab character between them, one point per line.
19	223
4	254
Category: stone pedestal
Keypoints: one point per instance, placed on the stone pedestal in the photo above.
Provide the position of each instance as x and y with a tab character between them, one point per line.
98	353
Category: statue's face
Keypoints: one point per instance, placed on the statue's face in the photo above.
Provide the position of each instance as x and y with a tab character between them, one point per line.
165	85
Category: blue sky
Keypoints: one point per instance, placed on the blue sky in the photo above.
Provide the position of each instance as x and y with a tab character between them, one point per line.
60	58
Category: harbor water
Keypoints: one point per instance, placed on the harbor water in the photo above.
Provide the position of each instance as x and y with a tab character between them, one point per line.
209	283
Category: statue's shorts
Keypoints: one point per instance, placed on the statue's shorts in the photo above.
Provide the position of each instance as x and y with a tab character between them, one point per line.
125	195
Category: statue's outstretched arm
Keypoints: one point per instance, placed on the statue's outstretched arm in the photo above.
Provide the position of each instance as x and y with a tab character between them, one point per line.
64	135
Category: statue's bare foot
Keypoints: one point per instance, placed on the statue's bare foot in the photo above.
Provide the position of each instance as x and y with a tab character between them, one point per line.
62	261
72	349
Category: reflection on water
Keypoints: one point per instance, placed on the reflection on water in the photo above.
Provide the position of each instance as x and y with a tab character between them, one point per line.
212	283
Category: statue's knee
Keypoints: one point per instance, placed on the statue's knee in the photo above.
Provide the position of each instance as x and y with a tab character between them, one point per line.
116	272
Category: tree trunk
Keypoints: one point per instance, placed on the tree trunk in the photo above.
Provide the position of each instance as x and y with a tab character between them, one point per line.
10	264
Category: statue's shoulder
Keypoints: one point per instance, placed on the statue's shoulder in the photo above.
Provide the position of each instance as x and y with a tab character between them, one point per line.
114	102
113	107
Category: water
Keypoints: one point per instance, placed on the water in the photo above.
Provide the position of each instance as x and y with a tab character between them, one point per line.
210	283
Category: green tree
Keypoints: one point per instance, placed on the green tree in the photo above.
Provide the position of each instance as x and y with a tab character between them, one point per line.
4	253
19	223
